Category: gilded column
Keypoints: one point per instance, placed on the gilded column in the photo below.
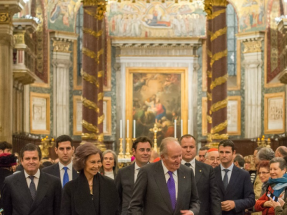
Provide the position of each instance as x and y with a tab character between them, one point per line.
218	64
7	10
92	58
208	10
252	63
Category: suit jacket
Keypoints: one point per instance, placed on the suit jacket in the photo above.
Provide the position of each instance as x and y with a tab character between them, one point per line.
151	196
125	184
208	191
17	199
55	171
239	190
77	199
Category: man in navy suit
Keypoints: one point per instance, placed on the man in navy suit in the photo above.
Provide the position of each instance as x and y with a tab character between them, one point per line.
208	191
234	183
64	169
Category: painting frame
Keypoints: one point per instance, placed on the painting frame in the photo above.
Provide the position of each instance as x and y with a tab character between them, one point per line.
76	99
108	116
183	71
267	97
47	114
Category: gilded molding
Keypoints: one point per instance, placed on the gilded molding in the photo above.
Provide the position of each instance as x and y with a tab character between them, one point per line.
100	96
90	127
90	2
209	119
92	54
209	53
19	38
217	13
252	45
61	46
90	78
208	9
101	9
209	74
5	18
93	33
219	3
91	105
101	137
89	136
218	33
101	119
218	105
218	81
219	127
100	74
219	136
218	56
209	96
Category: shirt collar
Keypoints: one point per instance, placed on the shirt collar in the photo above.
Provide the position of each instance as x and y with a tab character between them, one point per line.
136	166
37	175
165	170
229	168
192	162
70	166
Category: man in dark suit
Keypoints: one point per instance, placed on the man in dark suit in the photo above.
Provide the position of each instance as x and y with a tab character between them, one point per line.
165	187
208	191
63	169
31	191
127	176
235	187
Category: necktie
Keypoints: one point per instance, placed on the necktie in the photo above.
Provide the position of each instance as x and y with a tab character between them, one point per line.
171	189
66	176
188	164
225	179
32	187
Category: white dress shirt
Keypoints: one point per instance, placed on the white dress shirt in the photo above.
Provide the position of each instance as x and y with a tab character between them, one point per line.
137	168
69	170
192	162
230	168
36	179
174	175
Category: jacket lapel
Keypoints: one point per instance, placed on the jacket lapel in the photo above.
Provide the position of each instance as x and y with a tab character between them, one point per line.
198	171
233	179
217	172
23	190
132	175
57	171
181	188
161	183
42	189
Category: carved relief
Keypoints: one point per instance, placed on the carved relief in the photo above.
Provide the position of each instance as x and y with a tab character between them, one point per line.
5	18
252	45
61	46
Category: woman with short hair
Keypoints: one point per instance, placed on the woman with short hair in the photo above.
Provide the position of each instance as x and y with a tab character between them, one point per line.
263	172
110	164
91	193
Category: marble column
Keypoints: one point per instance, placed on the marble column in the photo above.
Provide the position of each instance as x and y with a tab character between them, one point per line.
253	62
218	63
7	10
61	61
93	66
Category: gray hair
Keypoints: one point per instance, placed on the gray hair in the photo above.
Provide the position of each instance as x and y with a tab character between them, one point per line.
281	161
115	168
164	143
265	154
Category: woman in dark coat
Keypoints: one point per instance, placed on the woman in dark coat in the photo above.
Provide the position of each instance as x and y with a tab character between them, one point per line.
91	193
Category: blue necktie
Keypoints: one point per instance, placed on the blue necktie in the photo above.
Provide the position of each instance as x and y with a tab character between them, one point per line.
32	187
66	176
225	179
171	189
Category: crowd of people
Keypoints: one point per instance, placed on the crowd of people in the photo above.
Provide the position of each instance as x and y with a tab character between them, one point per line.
176	181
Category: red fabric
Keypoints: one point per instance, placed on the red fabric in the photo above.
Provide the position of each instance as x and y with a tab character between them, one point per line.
213	150
156	160
259	204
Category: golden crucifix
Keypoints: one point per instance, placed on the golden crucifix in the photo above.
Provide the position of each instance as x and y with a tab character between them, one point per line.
155	129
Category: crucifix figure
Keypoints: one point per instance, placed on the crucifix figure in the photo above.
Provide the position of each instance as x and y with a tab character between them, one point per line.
155	129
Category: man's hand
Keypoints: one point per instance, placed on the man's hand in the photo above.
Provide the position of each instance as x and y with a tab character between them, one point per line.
227	205
186	212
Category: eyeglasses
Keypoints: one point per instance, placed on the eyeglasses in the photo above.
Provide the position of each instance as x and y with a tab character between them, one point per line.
213	159
263	173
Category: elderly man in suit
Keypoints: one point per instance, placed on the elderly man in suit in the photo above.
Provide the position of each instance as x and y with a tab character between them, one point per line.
63	169
208	191
31	191
165	187
235	186
127	176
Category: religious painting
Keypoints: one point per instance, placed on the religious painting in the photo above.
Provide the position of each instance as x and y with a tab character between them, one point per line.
107	111
233	115
61	14
252	15
157	97
77	115
274	113
39	113
156	19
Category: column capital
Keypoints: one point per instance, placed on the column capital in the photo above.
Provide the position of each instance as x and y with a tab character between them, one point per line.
252	60
62	41
23	24
219	3
64	62
208	8
8	8
6	34
252	41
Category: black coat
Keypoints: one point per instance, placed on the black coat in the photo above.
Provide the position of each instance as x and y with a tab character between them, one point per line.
77	199
3	174
55	171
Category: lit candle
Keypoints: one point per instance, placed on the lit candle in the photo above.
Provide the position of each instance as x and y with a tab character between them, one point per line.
175	128
121	128
134	136
127	128
181	127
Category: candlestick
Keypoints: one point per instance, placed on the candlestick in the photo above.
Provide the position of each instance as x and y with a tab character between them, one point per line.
121	128
127	155
127	128
181	127
175	128
134	136
121	155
